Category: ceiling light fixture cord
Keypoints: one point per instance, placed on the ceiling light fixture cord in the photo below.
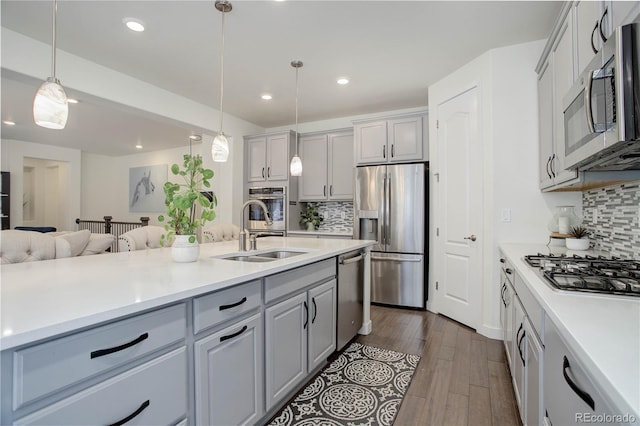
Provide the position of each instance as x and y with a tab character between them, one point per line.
222	67
53	38
297	91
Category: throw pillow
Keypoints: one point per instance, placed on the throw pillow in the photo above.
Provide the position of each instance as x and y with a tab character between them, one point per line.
77	242
98	243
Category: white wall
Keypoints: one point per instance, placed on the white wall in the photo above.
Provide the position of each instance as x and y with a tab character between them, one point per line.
508	111
13	160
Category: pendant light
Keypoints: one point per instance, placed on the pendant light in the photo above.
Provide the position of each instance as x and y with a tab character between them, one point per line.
50	107
296	163
220	147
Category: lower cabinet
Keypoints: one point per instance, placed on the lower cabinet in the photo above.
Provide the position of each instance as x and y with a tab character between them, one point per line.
229	374
534	354
152	394
300	335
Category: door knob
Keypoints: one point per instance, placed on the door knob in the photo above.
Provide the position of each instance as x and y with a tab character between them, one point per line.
472	238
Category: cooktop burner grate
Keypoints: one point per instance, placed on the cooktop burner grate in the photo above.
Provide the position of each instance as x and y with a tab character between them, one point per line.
594	274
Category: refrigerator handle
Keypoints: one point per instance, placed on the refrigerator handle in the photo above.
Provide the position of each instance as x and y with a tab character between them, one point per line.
387	225
383	220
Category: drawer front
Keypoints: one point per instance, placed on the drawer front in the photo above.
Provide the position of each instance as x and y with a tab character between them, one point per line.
154	393
42	369
225	305
287	282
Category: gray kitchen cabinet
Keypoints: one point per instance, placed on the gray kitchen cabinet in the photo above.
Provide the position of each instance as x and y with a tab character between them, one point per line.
518	361
286	347
534	353
230	374
154	393
555	77
300	326
587	30
322	302
327	161
391	140
569	394
267	156
506	309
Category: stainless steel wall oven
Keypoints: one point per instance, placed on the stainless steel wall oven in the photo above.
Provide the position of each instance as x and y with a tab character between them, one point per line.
275	199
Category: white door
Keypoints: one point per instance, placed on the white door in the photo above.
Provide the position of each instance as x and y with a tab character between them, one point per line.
459	237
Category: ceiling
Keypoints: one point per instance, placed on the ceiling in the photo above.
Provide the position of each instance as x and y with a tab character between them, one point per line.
391	51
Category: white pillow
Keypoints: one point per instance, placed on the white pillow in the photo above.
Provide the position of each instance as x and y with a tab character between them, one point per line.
77	242
98	243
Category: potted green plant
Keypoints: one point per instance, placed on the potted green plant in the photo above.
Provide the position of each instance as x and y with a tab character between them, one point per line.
310	218
578	238
181	201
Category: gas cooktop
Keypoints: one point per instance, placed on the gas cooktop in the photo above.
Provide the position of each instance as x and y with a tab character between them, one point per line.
593	274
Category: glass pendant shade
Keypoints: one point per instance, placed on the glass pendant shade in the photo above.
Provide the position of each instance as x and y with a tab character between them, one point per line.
50	107
296	166
220	148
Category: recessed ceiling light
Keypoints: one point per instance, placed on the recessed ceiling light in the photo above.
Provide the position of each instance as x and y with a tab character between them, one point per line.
266	97
9	123
134	24
72	101
139	146
343	80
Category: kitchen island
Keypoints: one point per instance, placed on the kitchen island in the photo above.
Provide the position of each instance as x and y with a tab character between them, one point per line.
179	315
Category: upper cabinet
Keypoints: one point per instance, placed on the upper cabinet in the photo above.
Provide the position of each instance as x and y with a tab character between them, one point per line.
327	166
267	156
391	140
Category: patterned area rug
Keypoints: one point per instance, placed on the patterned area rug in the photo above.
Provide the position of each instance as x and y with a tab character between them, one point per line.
363	386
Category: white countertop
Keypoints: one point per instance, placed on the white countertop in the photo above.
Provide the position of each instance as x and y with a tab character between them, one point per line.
321	233
603	331
44	298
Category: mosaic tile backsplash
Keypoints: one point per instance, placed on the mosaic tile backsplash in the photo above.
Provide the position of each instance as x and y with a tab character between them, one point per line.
611	216
333	212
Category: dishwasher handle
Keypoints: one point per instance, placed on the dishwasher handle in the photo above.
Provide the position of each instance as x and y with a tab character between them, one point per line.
354	259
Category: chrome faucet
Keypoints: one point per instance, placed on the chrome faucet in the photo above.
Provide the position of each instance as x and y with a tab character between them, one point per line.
242	238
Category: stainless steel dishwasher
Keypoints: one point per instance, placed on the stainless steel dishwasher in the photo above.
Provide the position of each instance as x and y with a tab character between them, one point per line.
350	283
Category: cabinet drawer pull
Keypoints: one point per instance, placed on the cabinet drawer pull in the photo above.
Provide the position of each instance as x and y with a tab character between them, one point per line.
315	310
582	394
233	305
502	260
236	334
132	415
306	315
604	39
103	352
508	271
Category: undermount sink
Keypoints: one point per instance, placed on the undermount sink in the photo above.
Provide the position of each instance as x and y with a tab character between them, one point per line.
268	256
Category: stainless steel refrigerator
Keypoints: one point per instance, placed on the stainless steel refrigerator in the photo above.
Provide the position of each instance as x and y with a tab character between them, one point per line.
391	207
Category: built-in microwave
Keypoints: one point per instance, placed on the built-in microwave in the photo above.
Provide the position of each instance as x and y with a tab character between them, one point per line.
602	109
275	198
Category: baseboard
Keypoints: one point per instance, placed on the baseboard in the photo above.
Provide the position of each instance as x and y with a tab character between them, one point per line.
490	332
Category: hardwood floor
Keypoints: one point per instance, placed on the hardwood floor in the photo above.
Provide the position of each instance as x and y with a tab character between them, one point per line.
462	377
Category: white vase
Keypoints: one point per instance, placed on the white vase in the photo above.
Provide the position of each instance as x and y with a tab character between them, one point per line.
310	226
578	243
183	251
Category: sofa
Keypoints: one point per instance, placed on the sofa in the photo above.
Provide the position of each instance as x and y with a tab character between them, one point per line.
145	237
18	246
221	232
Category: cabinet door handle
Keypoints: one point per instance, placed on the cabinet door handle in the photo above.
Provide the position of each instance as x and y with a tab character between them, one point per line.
524	332
392	153
502	260
504	287
549	172
233	305
268	172
132	415
331	190
324	190
604	39
306	315
593	46
384	151
263	173
103	352
582	394
508	271
518	333
315	310
553	172
236	334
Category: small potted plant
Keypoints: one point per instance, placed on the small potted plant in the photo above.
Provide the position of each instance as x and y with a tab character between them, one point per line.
182	200
310	218
578	238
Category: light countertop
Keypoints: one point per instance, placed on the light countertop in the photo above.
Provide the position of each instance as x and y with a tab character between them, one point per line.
44	298
321	233
603	331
